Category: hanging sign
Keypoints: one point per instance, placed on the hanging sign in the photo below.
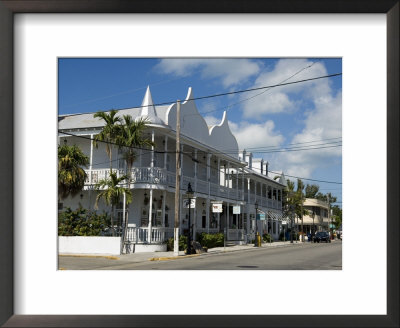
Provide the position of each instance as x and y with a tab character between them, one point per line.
216	207
186	202
236	209
261	216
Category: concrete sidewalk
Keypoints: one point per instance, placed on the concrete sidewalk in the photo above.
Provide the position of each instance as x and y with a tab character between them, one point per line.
140	257
163	256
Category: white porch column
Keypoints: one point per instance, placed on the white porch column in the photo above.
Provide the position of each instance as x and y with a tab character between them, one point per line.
208	173
150	215
237	183
165	151
195	170
164	196
91	159
225	175
90	171
219	175
248	191
151	190
229	180
242	183
208	214
209	192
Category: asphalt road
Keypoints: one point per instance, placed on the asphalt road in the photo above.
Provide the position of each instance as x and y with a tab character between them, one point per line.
307	256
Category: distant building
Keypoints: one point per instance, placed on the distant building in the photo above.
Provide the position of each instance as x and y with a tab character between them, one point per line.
317	219
211	163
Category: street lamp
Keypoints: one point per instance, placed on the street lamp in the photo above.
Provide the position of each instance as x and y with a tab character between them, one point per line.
256	230
189	195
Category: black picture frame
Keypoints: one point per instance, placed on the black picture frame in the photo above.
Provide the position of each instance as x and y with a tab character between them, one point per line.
7	10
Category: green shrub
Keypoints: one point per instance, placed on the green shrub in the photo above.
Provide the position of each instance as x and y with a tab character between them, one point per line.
182	243
82	222
267	238
211	240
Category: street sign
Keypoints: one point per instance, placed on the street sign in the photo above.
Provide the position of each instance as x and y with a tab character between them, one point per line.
216	207
261	216
284	222
236	209
186	202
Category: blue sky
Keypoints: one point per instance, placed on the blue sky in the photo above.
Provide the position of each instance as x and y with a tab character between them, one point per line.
307	115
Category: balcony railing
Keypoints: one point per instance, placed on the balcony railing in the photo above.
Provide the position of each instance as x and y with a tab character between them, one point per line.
156	175
141	235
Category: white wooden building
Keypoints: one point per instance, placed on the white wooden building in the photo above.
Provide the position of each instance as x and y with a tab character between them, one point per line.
211	163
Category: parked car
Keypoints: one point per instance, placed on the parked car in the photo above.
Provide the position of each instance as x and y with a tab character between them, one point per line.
321	236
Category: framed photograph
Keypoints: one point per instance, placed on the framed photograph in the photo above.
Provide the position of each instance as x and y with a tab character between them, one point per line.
34	293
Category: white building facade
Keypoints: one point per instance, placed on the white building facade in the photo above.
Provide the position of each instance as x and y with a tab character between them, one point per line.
317	218
210	162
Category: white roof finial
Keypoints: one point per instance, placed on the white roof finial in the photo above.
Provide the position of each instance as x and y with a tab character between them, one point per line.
147	109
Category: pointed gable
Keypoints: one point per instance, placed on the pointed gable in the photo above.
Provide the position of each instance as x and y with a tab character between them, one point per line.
148	110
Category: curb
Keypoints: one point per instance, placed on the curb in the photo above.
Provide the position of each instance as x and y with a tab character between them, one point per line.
173	258
109	257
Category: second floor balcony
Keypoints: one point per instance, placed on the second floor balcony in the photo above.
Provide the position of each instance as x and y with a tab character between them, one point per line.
161	176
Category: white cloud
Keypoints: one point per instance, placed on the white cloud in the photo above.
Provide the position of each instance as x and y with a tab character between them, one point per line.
212	120
325	122
250	135
229	71
286	98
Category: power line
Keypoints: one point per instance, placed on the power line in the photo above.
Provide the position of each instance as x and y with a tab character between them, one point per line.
206	165
211	152
294	149
298	143
292	176
232	92
259	94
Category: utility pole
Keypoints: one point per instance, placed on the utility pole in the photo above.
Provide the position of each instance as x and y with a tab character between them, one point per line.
301	204
178	178
329	213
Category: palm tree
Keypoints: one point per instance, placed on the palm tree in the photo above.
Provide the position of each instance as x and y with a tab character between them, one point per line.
130	137
109	133
71	175
111	192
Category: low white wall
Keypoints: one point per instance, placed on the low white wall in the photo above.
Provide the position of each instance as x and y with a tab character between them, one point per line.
143	248
89	245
